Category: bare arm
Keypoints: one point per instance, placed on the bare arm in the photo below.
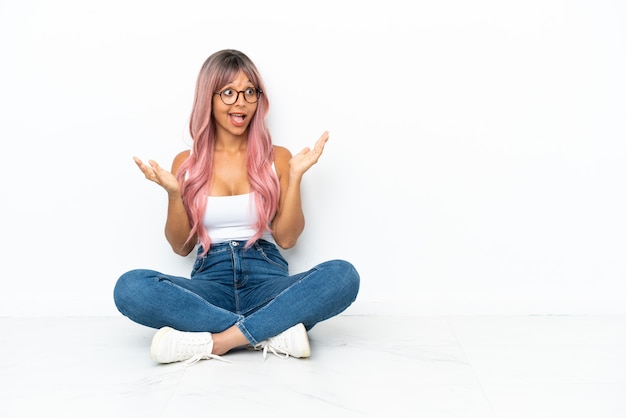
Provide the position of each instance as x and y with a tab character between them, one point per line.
288	223
177	225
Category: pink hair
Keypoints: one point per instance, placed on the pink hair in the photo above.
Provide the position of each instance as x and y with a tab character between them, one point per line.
194	174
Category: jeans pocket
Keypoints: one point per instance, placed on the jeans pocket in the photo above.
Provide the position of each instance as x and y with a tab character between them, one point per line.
198	264
271	254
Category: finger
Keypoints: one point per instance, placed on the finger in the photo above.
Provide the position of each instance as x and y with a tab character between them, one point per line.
304	151
148	171
138	161
144	168
155	168
324	138
319	145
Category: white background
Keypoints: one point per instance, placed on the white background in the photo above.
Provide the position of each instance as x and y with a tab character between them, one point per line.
476	163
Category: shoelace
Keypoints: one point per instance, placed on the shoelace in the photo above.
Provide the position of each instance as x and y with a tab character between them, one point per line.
268	347
198	348
203	356
187	363
276	346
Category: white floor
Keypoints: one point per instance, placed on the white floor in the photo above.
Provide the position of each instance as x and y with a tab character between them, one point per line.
361	366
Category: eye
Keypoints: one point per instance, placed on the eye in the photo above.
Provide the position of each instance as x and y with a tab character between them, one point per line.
250	91
228	92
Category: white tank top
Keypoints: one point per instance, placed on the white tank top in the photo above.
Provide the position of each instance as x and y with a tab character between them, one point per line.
231	218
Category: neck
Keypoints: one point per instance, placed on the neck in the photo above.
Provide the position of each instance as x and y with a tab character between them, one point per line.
226	142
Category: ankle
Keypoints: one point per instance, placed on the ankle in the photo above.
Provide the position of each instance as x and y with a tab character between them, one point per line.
219	348
227	340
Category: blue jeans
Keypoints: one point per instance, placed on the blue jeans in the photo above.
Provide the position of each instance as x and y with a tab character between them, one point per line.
232	285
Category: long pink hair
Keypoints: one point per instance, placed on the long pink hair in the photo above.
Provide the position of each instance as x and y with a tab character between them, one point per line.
194	174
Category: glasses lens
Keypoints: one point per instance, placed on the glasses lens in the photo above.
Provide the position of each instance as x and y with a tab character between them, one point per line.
229	96
251	95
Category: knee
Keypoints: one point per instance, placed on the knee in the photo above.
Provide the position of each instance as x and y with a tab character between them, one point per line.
122	289
128	285
346	276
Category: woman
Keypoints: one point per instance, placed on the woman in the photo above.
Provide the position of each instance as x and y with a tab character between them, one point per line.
235	197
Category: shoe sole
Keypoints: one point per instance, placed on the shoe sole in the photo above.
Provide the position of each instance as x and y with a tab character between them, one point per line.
156	340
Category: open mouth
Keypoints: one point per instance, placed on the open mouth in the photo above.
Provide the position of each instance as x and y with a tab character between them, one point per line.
238	118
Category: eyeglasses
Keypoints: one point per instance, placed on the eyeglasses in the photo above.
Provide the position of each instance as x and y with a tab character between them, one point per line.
230	96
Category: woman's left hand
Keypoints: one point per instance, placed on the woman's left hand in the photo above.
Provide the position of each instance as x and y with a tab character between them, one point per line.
305	159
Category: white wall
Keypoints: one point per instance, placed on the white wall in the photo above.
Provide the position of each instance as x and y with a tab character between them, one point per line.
476	163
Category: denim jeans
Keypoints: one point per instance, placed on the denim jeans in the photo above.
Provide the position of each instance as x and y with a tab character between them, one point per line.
250	287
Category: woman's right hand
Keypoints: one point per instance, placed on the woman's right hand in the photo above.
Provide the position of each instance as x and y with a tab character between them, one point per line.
154	172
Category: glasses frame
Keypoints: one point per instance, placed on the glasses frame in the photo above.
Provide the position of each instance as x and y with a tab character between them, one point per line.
258	92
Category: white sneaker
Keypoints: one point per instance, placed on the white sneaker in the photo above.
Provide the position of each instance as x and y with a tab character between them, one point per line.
294	342
170	345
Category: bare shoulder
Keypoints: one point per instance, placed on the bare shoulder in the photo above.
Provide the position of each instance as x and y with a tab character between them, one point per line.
281	159
281	153
179	159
